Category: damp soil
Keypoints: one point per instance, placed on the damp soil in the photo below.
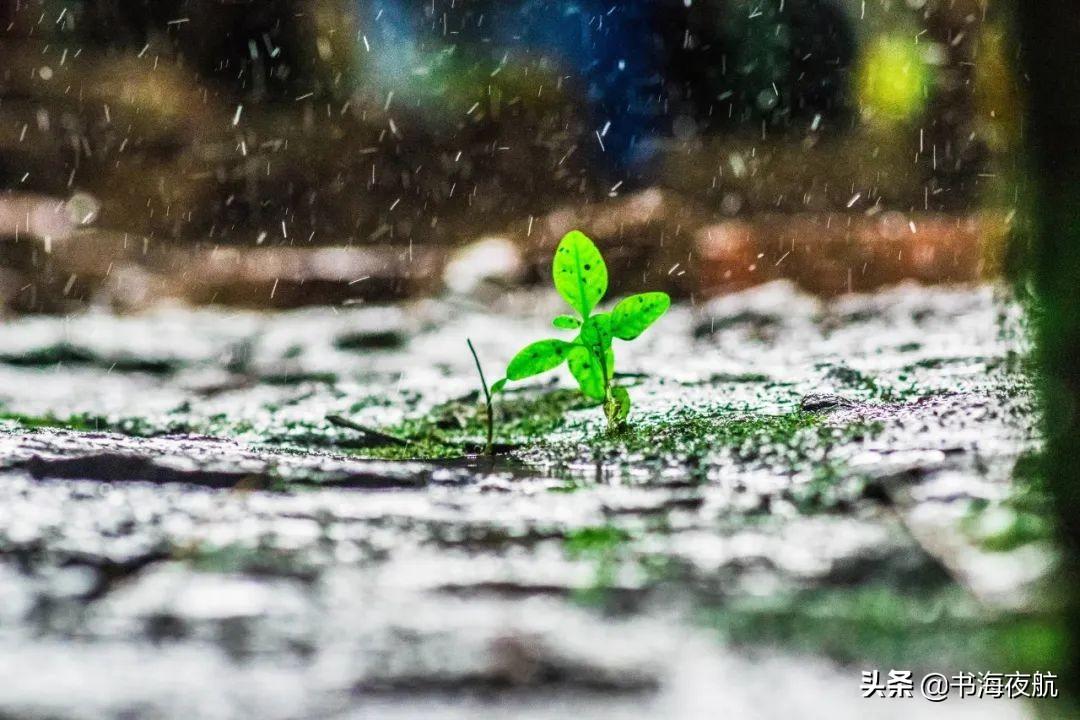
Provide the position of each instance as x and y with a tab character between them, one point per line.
207	513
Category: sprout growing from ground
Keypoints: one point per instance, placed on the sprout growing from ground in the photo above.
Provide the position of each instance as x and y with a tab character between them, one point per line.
581	278
489	446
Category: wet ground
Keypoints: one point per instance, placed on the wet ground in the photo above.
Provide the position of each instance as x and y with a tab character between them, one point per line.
807	490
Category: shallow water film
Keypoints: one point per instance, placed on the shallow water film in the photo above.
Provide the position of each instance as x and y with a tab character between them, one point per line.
807	489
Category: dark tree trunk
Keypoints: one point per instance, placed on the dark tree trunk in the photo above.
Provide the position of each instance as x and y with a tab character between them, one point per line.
1049	35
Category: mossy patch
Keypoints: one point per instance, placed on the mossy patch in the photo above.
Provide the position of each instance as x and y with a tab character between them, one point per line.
1022	518
932	629
458	427
695	437
832	488
239	558
610	550
131	426
80	423
557	430
549	430
594	542
874	388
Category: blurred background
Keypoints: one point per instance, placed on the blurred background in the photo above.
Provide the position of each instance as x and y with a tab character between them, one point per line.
293	152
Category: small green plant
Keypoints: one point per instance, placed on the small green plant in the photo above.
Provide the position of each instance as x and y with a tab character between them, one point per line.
489	445
581	277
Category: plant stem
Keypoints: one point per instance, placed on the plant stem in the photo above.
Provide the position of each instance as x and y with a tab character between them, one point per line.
489	449
600	353
601	357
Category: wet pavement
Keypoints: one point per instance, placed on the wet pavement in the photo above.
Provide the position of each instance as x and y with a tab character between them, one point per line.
808	490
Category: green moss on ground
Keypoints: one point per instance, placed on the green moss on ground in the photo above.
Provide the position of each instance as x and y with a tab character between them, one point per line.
85	422
240	558
458	427
78	423
695	438
935	625
554	429
1023	517
131	426
548	430
934	629
872	388
594	542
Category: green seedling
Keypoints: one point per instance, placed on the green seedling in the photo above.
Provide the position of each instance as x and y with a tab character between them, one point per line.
581	277
489	446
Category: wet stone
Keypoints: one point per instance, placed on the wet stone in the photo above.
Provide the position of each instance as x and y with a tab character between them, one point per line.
195	460
205	543
823	402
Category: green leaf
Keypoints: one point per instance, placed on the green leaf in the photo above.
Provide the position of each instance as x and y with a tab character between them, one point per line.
498	386
586	370
596	333
617	406
579	272
537	358
634	314
566	322
596	338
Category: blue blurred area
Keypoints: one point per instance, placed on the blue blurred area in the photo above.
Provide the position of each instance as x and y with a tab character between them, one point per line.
608	52
611	49
639	71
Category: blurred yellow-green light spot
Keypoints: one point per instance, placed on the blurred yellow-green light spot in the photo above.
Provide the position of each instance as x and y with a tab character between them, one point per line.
892	80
